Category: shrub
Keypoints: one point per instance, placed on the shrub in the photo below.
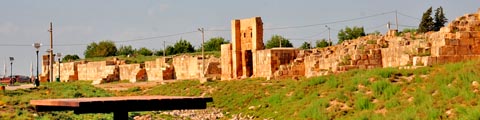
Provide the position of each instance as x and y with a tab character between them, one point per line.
362	103
316	81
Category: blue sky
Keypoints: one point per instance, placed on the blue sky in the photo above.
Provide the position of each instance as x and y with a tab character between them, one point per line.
24	22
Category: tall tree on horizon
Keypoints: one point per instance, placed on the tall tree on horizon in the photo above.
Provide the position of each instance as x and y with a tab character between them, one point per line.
440	19
427	23
350	33
305	45
276	40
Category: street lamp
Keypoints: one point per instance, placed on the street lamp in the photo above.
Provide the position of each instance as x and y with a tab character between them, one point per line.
59	55
11	70
36	83
329	40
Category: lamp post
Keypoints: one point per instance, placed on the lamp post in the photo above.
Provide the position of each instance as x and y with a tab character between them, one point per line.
59	55
36	83
11	71
329	40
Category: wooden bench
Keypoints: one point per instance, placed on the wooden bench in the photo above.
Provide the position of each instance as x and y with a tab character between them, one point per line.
120	106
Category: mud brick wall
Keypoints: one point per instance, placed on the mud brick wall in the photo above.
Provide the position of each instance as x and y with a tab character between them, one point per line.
314	67
68	71
395	57
131	71
44	75
264	63
159	69
268	61
213	68
187	67
96	70
226	61
458	41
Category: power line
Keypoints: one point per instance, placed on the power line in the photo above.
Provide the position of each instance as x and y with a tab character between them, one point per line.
141	39
333	22
217	30
408	16
131	40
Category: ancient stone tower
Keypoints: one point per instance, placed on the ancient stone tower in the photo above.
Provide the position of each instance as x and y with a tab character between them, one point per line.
238	57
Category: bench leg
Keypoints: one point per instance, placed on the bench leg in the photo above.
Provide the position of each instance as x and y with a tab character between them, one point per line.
120	115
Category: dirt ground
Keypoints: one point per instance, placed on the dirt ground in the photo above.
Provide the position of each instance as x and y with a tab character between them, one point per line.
15	87
127	85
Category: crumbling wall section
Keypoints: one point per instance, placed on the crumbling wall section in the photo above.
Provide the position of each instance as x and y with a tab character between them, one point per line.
102	70
159	69
68	71
187	67
226	61
458	41
132	72
278	62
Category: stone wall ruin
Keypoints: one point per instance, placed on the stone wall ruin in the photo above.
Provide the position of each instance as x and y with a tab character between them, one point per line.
246	57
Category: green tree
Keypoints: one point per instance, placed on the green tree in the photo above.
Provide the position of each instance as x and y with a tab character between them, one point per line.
104	48
214	44
440	19
275	42
170	50
322	43
144	51
69	58
350	33
158	53
305	45
125	50
427	23
183	46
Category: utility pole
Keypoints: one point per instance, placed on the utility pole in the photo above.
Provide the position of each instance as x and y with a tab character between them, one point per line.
51	53
329	39
396	19
203	55
280	42
164	48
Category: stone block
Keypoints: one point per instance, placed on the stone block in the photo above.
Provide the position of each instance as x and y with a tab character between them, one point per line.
476	41
447	50
475	49
463	35
475	34
463	50
362	66
364	56
356	57
466	41
370	67
374	62
452	42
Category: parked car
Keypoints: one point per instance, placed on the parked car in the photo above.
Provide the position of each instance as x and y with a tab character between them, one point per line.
16	78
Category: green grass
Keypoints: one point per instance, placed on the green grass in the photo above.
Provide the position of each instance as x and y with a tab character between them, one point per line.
19	107
432	92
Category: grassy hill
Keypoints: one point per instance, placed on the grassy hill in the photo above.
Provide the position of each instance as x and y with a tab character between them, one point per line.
447	91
